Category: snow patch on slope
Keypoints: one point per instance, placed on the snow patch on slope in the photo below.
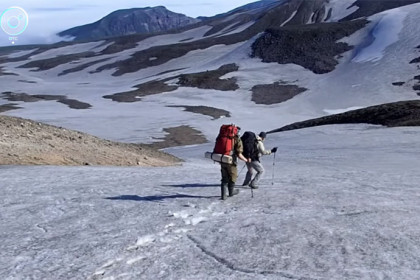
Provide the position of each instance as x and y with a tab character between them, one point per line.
289	19
385	32
68	50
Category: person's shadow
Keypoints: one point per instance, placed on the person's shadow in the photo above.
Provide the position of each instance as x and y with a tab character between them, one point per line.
193	185
156	197
164	197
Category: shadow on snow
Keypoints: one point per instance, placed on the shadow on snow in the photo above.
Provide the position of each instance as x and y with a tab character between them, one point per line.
155	197
192	185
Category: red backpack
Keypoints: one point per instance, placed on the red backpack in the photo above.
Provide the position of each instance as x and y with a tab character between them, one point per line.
224	141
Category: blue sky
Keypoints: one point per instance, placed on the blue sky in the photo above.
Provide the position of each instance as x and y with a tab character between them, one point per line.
47	17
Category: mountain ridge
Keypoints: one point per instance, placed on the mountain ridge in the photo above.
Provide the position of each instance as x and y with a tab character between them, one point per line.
130	21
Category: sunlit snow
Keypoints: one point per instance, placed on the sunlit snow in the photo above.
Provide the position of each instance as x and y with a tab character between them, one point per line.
337	202
383	34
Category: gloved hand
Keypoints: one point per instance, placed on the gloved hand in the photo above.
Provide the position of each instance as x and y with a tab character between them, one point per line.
273	150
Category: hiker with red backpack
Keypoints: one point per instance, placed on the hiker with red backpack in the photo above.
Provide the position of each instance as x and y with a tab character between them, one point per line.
228	149
254	149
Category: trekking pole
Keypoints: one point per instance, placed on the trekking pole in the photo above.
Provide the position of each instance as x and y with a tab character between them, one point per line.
274	163
241	170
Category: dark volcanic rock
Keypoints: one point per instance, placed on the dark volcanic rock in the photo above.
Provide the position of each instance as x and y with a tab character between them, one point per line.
8	107
402	113
142	59
416	60
74	104
82	67
417	86
179	136
10	96
205	80
23	97
313	46
149	88
274	93
211	79
130	21
204	110
398	83
49	63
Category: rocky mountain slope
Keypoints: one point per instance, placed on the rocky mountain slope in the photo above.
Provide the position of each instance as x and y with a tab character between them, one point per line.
25	142
314	46
131	21
402	113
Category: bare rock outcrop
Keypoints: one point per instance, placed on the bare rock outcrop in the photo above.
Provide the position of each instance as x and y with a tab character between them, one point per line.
26	142
401	113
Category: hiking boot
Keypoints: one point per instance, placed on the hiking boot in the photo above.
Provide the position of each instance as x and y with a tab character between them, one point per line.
224	191
232	190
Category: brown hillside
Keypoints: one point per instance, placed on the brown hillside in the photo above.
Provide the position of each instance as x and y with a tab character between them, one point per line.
25	142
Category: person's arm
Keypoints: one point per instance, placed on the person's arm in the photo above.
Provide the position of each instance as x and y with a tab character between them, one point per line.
262	149
240	149
241	156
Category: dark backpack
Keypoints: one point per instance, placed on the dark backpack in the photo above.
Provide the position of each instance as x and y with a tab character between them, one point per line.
225	140
249	141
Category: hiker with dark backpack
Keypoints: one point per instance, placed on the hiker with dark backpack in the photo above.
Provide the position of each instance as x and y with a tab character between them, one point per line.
254	149
229	143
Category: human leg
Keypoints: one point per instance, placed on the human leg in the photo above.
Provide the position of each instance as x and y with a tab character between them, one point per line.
260	171
225	181
233	173
248	175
